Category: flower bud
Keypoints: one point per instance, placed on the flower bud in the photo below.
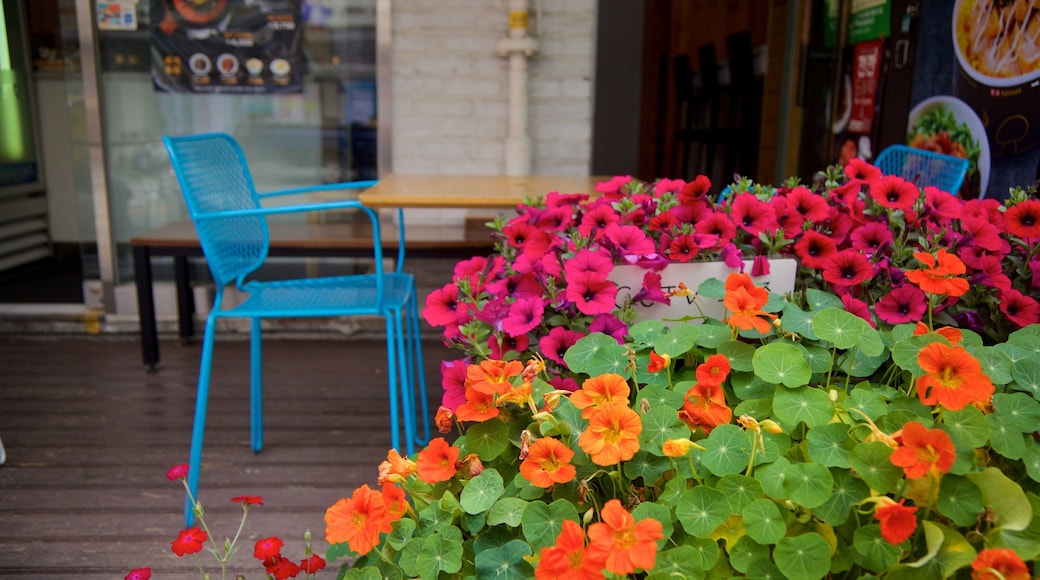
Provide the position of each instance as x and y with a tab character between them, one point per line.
832	396
770	426
525	444
444	419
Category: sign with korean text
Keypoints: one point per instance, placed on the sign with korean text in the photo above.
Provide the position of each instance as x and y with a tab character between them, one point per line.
866	72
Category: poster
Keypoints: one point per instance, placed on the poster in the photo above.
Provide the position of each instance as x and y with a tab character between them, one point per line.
227	46
866	72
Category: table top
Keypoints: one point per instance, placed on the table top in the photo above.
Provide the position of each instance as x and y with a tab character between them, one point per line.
470	191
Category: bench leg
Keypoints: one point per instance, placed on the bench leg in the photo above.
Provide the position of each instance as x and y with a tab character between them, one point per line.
146	308
185	299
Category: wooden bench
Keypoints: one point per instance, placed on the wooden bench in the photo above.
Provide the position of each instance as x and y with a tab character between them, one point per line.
327	239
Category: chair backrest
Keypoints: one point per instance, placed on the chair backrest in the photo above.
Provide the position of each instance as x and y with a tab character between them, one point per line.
923	167
214	178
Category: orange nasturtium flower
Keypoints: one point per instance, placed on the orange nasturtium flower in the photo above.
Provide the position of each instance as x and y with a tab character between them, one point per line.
519	395
624	544
941	274
395	468
744	302
658	362
396	502
436	463
548	463
598	391
677	447
705	406
954	335
479	407
568	559
714	370
357	520
898	521
491	377
612	434
953	378
444	419
999	564
923	451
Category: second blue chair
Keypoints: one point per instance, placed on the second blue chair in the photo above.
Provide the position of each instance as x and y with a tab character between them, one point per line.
232	228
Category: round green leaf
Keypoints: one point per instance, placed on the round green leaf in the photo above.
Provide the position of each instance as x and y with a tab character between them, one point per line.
808	484
847	492
1026	372
438	554
966	427
960	500
727	450
781	363
679	340
1005	437
741	490
1031	458
747	386
870	344
701	510
830	444
872	551
506	562
1020	409
1005	498
646	332
838	327
652	510
597	354
739	354
806	557
711	335
820	299
1028	338
867	402
819	358
487	439
482	492
904	352
712	288
794	319
744	552
679	562
772	477
659	425
647	466
804	404
763	521
508	511
658	396
542	523
995	364
871	461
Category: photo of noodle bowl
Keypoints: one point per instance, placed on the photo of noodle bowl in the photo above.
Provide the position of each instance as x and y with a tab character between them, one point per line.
944	124
999	38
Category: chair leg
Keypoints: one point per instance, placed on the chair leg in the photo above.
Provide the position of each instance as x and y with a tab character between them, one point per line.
405	383
199	426
392	330
256	389
419	370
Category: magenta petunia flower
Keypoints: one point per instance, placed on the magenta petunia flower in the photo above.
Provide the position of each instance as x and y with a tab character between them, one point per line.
610	325
857	168
543	268
847	268
1022	220
453	382
982	234
442	306
811	206
905	303
682	248
894	192
556	199
524	315
753	215
555	344
988	209
521	285
717	224
942	205
858	307
651	290
596	220
989	272
788	220
630	240
814	249
1021	309
871	238
596	263
501	345
732	256
613	186
177	472
564	384
1034	269
518	233
668	186
760	266
590	294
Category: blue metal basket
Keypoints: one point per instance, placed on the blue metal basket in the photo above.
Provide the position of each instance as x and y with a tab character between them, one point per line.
923	167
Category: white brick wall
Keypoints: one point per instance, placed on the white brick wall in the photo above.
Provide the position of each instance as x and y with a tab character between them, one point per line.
450	101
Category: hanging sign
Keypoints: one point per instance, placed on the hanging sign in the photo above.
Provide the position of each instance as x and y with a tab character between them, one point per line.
868	20
227	46
866	71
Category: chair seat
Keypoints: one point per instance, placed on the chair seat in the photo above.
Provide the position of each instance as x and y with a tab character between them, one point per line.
327	296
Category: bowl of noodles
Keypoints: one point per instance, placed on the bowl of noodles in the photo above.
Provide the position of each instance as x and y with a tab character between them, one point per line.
997	43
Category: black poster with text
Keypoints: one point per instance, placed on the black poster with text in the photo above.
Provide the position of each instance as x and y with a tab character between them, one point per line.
227	46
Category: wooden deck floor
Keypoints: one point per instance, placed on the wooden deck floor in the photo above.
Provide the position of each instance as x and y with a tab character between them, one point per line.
89	437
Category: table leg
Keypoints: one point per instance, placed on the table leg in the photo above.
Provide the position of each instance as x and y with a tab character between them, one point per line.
185	299
146	308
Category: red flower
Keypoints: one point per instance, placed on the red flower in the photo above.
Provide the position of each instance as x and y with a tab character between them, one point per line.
897	521
683	248
713	371
442	306
249	499
312	564
657	362
811	206
814	249
923	451
139	574
999	564
177	472
1019	308
847	268
753	215
894	192
859	169
624	544
1022	220
568	559
717	224
267	548
905	303
436	463
189	541
873	237
858	307
281	568
591	294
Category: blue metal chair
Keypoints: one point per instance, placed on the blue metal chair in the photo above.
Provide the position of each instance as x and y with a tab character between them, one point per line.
923	167
232	228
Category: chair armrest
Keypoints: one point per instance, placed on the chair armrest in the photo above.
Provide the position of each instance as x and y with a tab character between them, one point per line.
315	188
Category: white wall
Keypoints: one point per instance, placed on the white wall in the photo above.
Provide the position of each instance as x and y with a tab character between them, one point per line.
450	87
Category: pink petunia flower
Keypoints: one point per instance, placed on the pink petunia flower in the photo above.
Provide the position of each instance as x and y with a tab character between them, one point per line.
555	344
871	238
524	315
753	215
1021	309
595	263
610	325
630	240
905	303
591	294
847	268
596	220
857	307
453	382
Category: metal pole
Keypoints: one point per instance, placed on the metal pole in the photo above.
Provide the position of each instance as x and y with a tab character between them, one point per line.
96	150
384	88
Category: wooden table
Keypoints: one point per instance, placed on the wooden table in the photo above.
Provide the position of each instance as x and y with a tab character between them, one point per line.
470	191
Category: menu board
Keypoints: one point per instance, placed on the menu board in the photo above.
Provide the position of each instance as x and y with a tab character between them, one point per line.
227	46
